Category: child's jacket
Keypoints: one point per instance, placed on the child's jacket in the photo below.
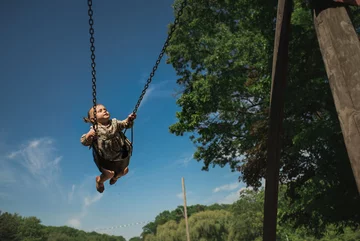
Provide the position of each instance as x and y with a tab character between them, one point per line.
110	139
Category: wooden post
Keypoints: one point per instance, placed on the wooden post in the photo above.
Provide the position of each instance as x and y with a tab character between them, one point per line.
340	49
279	75
185	210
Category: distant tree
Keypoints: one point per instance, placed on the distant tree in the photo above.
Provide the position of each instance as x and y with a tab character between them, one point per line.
150	237
135	239
168	232
210	225
31	229
9	226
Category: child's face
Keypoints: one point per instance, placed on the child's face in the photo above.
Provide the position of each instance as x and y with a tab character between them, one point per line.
102	115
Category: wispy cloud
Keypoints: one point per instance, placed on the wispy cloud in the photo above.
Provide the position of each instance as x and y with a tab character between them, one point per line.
184	160
71	193
86	196
227	187
90	200
231	197
36	167
147	96
75	221
157	90
38	159
225	194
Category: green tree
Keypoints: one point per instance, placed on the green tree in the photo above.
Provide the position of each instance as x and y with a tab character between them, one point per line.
168	232
13	227
210	225
59	237
248	214
135	239
150	237
222	51
31	229
9	225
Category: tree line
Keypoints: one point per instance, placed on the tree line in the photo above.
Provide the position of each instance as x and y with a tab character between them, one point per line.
240	221
14	227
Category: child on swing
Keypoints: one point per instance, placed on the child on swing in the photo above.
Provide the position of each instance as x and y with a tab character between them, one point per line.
110	141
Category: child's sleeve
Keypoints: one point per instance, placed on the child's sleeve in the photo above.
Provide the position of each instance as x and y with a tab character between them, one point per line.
124	124
85	141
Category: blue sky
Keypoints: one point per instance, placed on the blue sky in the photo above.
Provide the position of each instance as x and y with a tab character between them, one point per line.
46	90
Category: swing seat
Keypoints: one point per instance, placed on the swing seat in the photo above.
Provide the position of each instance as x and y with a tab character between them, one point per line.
112	165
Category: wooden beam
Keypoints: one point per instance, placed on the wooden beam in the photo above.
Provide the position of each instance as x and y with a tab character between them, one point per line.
340	49
279	75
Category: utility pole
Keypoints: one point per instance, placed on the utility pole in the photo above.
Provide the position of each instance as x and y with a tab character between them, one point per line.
340	49
279	76
185	211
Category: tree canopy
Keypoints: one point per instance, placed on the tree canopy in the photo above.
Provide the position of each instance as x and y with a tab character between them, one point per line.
222	52
240	221
14	227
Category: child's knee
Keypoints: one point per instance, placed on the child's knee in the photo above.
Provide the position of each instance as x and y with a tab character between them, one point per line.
108	174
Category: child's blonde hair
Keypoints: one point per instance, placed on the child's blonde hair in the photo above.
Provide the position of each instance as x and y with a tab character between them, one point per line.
90	115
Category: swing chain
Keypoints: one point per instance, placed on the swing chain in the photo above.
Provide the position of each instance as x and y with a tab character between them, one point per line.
176	22
92	49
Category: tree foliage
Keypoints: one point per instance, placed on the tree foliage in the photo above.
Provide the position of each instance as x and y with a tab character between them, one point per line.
13	227
241	221
222	52
135	239
178	214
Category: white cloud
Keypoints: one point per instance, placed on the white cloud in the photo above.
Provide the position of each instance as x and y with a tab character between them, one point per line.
39	160
90	200
187	160
35	166
146	96
232	197
71	193
227	187
156	90
13	154
74	223
86	200
184	161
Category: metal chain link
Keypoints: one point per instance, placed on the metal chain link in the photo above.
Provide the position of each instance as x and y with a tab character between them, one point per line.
92	49
183	4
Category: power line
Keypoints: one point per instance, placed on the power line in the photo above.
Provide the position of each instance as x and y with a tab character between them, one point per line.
121	226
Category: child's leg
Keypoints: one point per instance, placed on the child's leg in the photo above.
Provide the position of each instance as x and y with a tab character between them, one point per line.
105	175
118	175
